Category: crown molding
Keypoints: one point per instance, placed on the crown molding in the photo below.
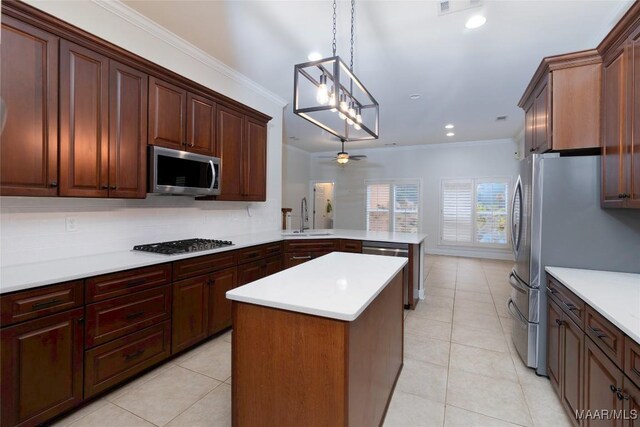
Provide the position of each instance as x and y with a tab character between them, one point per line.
151	27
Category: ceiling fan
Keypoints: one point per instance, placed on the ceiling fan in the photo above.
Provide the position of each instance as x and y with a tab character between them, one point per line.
343	157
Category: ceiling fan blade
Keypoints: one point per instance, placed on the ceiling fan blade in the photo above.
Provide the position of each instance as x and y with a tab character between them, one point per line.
358	157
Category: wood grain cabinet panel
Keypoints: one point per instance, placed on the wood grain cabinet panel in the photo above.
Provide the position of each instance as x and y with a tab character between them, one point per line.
602	381
608	337
542	118
571	372
251	272
255	161
633	153
229	143
30	304
631	402
41	368
632	360
201	125
190	312
204	264
554	345
167	114
84	122
114	362
29	87
127	132
117	317
273	265
121	283
219	305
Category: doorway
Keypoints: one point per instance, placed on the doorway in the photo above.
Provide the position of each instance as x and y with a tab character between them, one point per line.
323	204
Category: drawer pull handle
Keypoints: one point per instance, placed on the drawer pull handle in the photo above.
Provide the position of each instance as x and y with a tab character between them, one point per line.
44	304
570	306
301	257
598	333
134	355
552	291
622	396
135	315
136	282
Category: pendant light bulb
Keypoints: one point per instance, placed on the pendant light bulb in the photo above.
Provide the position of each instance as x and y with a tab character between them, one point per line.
332	100
352	111
359	115
322	96
343	103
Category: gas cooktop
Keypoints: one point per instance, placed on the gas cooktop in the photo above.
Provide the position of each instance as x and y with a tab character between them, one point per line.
183	246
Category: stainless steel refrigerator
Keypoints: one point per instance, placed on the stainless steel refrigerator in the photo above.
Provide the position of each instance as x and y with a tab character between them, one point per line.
556	220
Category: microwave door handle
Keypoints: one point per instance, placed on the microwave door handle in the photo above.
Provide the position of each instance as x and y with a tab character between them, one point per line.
213	175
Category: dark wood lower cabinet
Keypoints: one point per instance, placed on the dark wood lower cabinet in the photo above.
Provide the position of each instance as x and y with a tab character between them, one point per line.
631	403
190	312
572	354
219	306
273	265
41	368
250	272
554	344
602	383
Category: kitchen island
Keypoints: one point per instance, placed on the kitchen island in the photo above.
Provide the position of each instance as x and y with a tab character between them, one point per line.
318	344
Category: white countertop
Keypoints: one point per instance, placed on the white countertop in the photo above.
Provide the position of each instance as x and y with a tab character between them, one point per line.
614	295
337	285
26	276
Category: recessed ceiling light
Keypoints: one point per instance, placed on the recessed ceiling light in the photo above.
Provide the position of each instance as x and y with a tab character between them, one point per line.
450	133
314	56
415	96
475	22
449	126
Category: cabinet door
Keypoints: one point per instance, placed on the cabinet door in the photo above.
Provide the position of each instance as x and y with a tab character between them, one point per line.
127	132
219	306
613	144
529	131
601	380
273	265
542	118
41	368
167	114
190	312
201	125
250	272
229	149
631	398
84	122
254	161
571	372
554	344
29	86
633	150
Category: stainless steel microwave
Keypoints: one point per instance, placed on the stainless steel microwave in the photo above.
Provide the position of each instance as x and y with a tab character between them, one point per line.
183	173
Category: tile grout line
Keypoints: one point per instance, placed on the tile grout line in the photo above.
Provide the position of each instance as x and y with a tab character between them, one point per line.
446	390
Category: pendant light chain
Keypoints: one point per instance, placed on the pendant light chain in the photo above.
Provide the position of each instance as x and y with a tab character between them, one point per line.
334	28
353	10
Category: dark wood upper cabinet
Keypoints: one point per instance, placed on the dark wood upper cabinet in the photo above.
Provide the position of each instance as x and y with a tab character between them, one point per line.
255	160
562	104
229	149
190	312
219	306
620	50
29	86
41	368
201	125
84	122
167	114
128	132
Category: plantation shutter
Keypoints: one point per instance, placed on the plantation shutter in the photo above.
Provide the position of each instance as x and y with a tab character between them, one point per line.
457	211
378	214
406	208
491	212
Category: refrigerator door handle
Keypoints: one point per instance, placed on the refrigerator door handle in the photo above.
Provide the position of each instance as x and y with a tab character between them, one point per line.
515	313
517	284
516	217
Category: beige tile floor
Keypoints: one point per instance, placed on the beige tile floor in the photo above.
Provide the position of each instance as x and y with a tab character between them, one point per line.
460	367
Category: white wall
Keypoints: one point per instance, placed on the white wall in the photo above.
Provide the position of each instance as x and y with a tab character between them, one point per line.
296	170
33	229
430	164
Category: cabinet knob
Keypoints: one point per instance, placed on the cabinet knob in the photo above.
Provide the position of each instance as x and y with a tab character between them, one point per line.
114	187
532	150
192	145
53	184
104	186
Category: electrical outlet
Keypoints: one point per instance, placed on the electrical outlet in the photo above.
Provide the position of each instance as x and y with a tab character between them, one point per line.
71	223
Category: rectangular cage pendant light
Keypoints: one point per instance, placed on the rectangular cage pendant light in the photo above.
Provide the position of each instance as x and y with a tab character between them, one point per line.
329	95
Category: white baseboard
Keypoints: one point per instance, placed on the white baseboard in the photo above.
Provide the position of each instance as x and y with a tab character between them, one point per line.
471	253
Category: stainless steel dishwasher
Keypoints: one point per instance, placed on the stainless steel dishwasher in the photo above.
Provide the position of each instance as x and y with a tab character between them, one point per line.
391	249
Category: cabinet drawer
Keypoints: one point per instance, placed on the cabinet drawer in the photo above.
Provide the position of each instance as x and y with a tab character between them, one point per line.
114	362
568	301
272	249
606	335
310	245
632	360
351	246
116	317
126	282
250	254
25	305
204	264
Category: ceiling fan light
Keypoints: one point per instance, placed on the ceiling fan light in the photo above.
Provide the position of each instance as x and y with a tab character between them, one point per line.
342	158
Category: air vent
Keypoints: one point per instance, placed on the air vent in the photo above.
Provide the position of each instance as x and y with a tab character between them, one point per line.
446	7
501	118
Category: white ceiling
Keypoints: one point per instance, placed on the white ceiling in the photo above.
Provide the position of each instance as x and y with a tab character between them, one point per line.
465	77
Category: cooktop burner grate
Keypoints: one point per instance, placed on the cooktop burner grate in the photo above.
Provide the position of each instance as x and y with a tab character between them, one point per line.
183	246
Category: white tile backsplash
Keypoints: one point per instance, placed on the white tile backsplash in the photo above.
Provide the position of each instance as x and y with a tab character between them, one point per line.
32	229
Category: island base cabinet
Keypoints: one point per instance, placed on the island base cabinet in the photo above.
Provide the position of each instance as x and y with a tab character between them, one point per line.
294	369
41	368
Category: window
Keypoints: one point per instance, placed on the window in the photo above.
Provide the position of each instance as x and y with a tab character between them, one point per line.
474	212
393	206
